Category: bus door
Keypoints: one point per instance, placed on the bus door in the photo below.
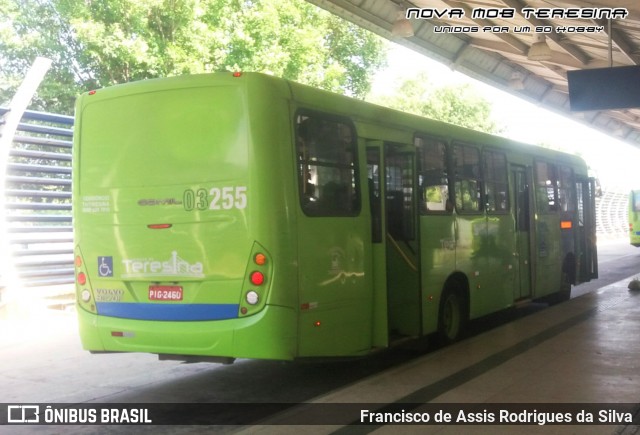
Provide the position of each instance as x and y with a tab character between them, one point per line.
402	244
586	252
522	213
378	243
334	290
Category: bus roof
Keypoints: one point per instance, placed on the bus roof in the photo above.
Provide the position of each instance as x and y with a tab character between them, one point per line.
365	115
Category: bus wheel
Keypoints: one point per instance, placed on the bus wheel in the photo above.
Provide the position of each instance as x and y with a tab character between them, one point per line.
452	316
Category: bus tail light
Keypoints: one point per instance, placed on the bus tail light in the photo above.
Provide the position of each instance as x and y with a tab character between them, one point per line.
252	297
260	259
257	282
257	278
83	288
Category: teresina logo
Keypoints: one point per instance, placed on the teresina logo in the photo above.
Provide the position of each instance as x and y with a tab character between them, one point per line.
166	201
174	266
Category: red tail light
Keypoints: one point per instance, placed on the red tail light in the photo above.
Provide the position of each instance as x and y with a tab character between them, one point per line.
257	278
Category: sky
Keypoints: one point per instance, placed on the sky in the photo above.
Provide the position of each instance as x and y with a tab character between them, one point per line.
611	160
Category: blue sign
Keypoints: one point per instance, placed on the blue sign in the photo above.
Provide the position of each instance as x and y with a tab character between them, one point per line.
105	267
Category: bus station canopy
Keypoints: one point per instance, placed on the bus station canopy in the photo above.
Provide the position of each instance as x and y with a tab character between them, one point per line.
493	41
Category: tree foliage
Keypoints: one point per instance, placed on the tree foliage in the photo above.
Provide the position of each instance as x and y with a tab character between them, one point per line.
98	43
459	104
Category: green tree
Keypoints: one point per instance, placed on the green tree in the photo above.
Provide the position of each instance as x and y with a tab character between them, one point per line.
97	43
29	29
459	105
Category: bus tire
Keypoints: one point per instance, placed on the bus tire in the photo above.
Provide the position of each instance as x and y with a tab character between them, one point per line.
452	316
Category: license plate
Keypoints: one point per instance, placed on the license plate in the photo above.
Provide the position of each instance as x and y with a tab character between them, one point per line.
165	293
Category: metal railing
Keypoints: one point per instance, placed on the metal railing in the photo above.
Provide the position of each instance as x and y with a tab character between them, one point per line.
38	199
612	218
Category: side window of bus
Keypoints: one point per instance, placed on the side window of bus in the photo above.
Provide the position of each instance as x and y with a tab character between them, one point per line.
467	179
546	187
433	177
495	180
566	195
326	149
399	200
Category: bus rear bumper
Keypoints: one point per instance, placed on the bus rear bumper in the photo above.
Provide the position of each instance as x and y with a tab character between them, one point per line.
269	334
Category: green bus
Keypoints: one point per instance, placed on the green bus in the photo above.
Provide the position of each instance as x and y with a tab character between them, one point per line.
634	217
225	216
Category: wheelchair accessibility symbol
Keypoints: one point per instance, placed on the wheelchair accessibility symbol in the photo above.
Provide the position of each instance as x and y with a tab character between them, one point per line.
105	266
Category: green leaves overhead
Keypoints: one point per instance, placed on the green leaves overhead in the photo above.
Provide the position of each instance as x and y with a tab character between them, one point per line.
98	43
456	104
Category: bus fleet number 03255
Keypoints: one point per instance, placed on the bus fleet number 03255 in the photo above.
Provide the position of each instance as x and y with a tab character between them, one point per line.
217	198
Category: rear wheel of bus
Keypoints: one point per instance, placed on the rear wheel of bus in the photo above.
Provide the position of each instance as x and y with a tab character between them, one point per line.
452	317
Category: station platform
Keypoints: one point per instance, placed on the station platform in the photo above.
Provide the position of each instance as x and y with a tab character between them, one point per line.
582	353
